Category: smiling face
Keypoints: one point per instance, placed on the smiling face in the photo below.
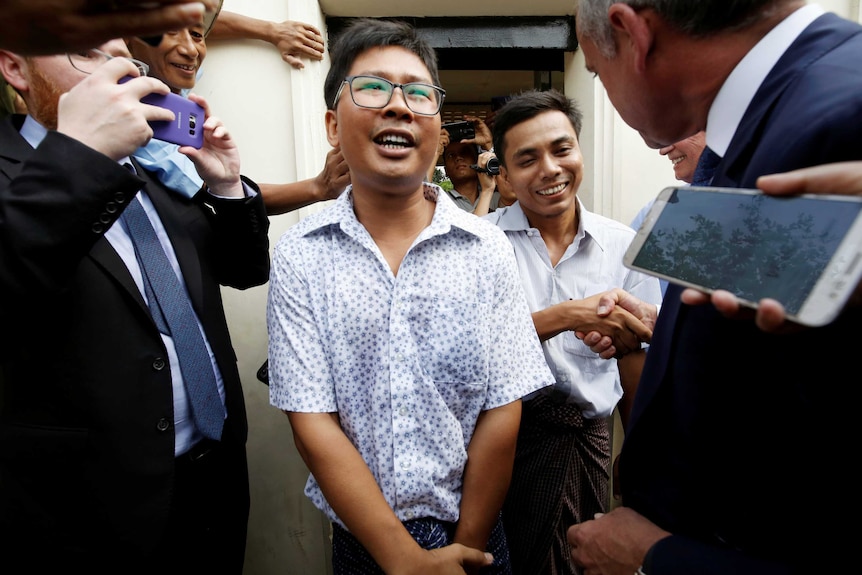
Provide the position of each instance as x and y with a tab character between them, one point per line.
544	166
390	149
684	156
643	78
177	58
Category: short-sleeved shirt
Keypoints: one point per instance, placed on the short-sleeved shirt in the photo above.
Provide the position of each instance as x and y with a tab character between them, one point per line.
591	264
408	361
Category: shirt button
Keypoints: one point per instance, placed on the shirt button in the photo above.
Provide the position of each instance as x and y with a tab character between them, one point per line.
163	424
402	411
399	357
158	364
408	514
405	465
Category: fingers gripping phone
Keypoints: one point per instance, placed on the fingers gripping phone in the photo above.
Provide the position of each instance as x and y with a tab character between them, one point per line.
187	128
804	251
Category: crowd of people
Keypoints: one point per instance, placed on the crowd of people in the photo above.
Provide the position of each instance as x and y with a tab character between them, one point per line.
448	378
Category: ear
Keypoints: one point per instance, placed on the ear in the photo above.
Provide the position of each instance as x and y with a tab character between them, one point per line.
14	68
633	31
331	120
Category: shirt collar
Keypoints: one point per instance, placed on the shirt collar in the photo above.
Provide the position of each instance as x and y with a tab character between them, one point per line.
33	131
512	219
742	84
446	214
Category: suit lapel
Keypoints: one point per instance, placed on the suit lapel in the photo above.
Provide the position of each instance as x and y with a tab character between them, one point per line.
821	36
15	149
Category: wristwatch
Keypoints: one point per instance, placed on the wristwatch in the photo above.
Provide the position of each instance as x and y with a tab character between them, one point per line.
640	571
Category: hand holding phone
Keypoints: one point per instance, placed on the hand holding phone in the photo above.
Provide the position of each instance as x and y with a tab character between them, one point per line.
804	251
187	127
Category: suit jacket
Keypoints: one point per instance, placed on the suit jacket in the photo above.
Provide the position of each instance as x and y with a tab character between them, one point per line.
86	411
737	437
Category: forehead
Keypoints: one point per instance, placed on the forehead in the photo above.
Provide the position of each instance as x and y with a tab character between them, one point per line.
545	128
391	62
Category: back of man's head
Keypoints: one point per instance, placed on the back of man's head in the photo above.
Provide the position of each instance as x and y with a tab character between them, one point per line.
530	104
696	17
365	33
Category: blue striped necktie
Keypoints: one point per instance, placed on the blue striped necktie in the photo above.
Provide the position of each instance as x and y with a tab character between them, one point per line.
172	311
706	166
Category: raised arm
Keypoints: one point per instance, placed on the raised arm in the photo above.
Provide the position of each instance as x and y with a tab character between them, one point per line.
294	40
327	185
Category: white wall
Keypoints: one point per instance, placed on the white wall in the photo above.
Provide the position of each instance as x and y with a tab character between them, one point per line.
276	115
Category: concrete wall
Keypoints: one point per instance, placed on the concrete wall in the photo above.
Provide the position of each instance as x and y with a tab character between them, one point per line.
276	114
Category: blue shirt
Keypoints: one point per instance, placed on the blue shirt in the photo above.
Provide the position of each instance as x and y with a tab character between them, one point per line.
172	168
409	361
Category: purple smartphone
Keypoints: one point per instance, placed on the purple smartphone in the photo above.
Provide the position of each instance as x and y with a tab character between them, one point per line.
187	129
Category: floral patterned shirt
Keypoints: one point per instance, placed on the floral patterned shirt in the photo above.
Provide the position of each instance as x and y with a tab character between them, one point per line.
408	361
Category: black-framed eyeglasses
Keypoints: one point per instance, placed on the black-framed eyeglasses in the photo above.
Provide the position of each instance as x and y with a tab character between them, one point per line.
375	93
87	61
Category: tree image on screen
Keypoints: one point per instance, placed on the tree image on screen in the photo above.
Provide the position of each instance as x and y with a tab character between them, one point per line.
752	249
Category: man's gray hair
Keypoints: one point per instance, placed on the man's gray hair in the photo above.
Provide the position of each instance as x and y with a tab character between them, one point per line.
693	17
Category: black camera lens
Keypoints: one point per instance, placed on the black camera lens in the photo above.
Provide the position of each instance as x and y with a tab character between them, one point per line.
493	166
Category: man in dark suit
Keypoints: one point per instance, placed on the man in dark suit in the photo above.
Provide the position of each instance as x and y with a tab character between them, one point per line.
104	467
733	458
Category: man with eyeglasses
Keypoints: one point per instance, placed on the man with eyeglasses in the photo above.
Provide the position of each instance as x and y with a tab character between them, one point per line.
108	462
400	339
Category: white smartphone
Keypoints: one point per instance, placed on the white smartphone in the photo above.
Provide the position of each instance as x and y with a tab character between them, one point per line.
804	251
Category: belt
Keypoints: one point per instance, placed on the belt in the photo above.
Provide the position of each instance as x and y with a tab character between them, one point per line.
200	450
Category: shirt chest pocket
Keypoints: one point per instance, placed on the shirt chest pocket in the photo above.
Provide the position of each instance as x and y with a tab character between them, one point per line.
452	340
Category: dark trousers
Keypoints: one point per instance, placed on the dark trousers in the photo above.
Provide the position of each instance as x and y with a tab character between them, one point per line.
209	514
560	478
349	557
205	530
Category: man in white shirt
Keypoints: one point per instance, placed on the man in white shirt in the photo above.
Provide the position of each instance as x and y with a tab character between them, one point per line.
567	257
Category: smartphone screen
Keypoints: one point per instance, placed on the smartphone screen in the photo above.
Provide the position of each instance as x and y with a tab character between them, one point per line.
803	251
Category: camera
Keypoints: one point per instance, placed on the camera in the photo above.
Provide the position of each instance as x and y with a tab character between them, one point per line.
461	130
492	167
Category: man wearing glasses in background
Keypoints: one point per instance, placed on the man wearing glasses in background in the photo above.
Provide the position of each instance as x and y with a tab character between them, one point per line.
109	462
400	338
